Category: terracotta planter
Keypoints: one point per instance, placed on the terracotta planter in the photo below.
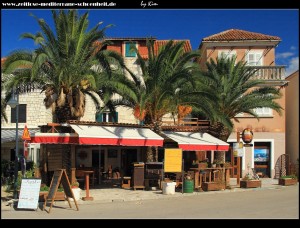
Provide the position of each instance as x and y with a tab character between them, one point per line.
213	186
250	184
58	196
287	181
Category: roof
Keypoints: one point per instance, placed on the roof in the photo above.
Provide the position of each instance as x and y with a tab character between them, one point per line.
197	141
130	38
239	35
158	43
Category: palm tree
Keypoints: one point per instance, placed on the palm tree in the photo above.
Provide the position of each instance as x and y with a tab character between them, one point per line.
169	78
237	92
68	63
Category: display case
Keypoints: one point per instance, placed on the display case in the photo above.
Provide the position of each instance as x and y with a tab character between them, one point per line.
153	174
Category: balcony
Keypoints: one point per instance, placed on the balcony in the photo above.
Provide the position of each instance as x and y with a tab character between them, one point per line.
186	124
270	73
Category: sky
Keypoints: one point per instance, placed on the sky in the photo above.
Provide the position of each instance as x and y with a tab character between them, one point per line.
193	25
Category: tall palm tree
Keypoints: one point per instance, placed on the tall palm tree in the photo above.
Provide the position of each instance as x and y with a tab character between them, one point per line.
169	79
237	92
67	64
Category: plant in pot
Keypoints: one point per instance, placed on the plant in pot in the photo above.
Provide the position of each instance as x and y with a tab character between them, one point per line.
288	180
250	180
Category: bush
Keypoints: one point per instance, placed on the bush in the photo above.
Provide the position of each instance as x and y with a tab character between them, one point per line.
289	176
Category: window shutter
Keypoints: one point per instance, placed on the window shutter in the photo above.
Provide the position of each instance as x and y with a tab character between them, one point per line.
99	117
115	118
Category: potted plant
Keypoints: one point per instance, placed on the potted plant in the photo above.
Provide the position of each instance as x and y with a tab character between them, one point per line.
288	180
44	189
250	180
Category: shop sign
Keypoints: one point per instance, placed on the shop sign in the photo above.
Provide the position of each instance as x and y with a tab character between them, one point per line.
238	150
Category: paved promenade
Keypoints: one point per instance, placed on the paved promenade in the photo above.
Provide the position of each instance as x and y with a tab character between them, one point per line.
116	194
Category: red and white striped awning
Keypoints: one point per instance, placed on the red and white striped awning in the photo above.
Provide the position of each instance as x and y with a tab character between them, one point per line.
120	136
54	138
101	135
197	141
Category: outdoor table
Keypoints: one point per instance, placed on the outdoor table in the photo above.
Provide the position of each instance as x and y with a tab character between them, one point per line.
210	170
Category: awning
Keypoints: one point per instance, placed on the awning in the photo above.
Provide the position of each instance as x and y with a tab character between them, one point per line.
54	138
197	141
119	136
9	135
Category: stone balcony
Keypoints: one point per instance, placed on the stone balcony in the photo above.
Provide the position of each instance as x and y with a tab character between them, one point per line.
270	73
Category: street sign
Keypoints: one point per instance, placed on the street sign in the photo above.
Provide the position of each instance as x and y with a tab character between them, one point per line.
26	134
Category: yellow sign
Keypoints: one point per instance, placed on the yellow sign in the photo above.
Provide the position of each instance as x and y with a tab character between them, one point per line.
26	134
173	160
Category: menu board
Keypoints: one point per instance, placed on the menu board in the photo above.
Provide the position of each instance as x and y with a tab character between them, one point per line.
173	160
29	193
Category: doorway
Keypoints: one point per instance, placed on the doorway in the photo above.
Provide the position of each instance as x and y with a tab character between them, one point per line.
229	157
128	156
262	164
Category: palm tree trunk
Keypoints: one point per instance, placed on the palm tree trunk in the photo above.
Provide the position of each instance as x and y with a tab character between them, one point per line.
149	154
219	131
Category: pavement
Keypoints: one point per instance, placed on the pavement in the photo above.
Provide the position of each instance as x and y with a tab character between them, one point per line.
116	194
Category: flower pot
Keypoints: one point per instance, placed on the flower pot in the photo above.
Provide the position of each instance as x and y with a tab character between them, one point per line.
250	183
287	181
58	196
76	193
213	186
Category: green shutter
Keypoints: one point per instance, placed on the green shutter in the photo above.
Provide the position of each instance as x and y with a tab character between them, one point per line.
115	117
98	117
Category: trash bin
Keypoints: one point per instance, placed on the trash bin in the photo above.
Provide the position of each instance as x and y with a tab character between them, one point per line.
168	188
188	186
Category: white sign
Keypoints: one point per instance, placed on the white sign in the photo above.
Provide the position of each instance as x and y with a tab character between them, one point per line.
29	193
238	150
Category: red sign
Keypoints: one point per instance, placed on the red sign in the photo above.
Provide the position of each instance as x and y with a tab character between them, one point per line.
26	134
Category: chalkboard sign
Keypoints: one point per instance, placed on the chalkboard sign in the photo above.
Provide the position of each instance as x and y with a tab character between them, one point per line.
67	187
29	193
54	184
60	176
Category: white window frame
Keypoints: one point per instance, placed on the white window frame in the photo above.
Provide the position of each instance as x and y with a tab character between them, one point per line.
258	58
263	111
227	53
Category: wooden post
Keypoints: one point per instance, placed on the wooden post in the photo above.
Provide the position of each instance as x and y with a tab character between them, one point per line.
87	185
238	162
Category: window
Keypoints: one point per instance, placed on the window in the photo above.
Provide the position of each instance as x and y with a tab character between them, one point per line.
107	117
22	114
254	59
129	52
263	111
227	54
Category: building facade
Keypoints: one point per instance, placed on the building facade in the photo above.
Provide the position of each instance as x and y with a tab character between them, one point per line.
258	50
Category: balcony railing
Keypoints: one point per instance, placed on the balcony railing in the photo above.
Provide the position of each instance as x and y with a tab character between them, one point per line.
269	72
185	124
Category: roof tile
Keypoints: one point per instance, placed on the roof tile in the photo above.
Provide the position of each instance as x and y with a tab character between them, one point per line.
239	35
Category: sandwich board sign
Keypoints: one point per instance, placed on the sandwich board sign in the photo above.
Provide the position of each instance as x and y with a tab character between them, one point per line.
29	193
